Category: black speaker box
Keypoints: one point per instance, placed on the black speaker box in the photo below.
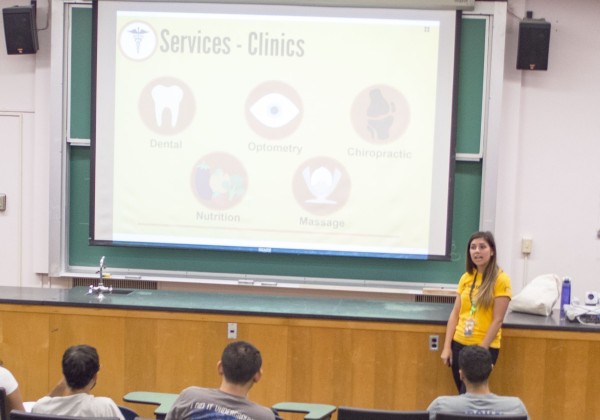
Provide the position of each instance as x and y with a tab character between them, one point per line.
534	43
20	30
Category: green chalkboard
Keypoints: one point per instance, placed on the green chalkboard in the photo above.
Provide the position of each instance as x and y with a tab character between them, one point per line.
467	192
470	81
80	74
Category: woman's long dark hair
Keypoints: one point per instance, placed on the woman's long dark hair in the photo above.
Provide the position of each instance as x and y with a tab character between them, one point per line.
485	294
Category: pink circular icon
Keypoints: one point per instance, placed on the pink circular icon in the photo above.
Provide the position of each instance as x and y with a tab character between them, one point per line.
380	114
274	110
219	181
321	185
167	106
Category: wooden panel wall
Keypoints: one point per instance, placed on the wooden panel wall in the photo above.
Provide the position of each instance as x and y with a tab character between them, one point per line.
557	374
366	364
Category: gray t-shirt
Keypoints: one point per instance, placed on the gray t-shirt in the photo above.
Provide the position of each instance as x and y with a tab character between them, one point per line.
195	403
486	404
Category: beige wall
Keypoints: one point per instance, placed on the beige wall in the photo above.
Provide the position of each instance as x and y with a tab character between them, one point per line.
547	167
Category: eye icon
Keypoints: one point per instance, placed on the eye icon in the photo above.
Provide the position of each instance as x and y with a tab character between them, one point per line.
274	110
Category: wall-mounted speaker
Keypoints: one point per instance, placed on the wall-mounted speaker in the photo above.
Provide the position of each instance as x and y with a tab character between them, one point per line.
534	44
20	30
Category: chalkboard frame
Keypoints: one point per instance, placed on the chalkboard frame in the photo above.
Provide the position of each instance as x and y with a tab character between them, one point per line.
179	263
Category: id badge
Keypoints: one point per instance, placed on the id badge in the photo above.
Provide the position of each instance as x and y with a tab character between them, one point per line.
469	325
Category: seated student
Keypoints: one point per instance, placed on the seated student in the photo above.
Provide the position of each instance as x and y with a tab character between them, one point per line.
475	366
10	385
71	396
240	369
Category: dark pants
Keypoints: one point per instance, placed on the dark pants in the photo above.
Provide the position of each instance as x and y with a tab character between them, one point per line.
456	347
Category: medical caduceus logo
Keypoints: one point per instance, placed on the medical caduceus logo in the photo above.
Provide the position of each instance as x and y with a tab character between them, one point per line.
137	40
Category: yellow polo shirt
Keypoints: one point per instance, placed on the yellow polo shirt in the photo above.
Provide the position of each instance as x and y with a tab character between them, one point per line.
482	316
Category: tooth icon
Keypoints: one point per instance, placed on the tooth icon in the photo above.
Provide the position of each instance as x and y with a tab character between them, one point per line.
167	97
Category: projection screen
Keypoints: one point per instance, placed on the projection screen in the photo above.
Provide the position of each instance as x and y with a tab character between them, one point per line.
320	130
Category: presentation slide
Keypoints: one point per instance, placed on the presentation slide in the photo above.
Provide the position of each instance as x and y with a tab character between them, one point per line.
274	129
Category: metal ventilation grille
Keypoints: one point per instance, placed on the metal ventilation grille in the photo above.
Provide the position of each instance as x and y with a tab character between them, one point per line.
117	284
435	298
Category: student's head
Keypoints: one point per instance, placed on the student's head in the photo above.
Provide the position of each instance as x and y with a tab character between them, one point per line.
481	251
240	362
475	364
80	365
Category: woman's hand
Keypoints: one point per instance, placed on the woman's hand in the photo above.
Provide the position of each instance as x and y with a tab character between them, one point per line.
447	357
450	329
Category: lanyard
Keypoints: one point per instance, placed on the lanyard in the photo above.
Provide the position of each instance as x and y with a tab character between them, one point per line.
473	304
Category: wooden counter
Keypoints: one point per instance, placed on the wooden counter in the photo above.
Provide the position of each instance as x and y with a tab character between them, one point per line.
350	352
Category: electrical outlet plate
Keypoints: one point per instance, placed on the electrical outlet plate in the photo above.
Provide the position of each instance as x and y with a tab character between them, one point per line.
232	330
434	342
2	201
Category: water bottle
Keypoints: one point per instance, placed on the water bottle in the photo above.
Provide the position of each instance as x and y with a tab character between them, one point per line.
565	296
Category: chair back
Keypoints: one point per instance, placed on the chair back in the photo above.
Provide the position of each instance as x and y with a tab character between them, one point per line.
128	413
458	416
25	415
3	405
353	413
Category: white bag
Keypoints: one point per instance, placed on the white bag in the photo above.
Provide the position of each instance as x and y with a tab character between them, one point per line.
538	297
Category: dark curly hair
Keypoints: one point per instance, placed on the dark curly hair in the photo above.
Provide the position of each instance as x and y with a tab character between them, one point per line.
79	365
240	362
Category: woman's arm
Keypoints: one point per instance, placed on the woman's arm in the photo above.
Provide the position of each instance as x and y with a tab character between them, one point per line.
15	401
450	329
498	313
